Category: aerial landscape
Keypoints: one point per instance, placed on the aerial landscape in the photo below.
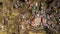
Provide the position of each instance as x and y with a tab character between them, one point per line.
29	16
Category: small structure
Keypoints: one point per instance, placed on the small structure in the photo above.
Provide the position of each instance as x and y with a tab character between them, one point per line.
36	6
